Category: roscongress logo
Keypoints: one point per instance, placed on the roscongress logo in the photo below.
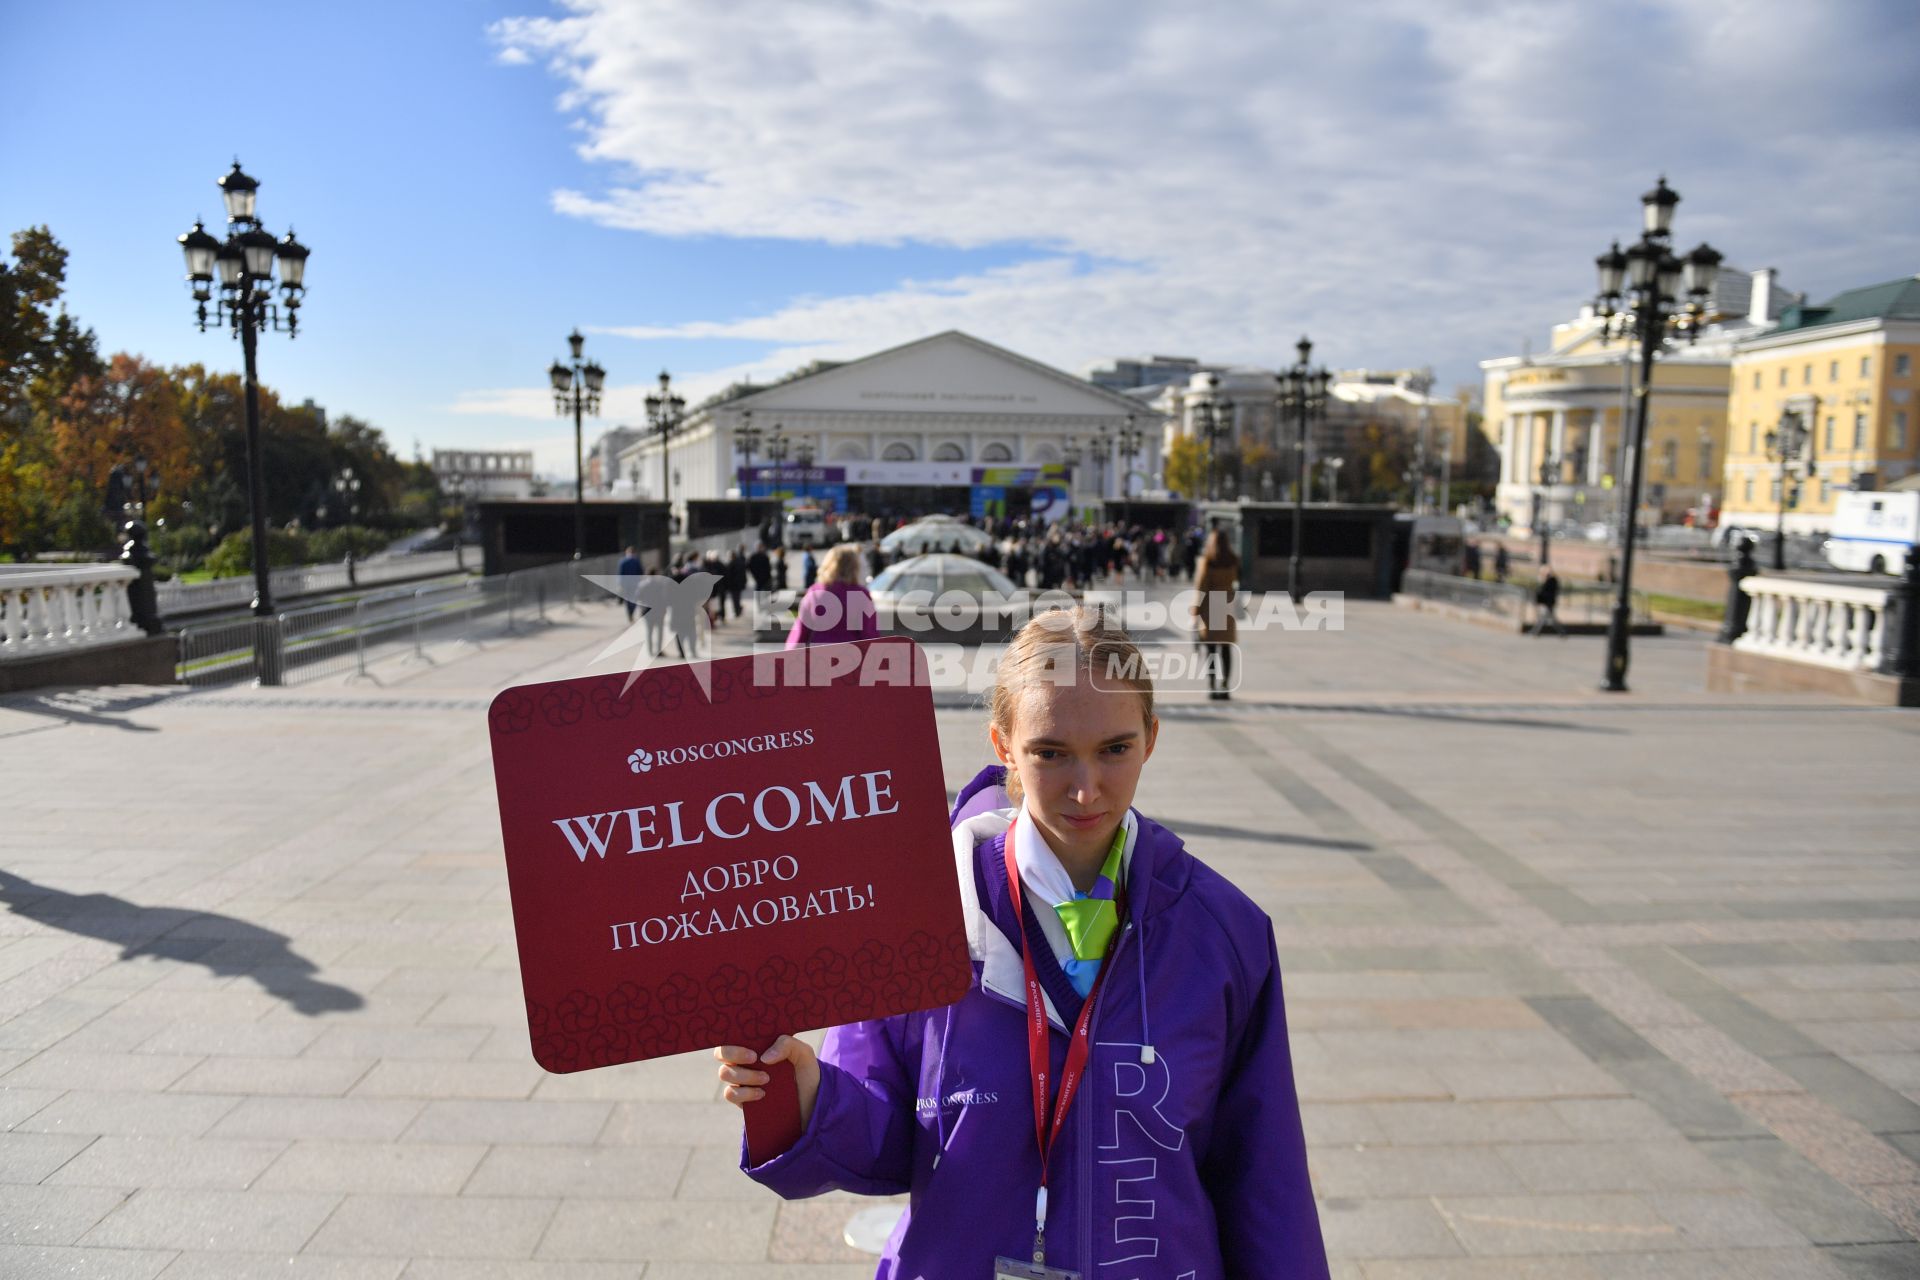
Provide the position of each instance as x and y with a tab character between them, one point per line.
642	760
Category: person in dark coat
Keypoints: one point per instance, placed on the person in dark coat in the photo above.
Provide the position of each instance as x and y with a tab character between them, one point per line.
735	578
809	569
1546	598
1501	565
630	570
760	568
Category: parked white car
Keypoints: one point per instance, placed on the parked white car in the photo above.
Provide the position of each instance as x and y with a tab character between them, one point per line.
1872	531
806	527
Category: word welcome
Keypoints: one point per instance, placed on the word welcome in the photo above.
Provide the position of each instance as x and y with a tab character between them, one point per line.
773	810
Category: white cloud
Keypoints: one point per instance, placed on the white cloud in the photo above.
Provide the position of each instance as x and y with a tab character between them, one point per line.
1410	182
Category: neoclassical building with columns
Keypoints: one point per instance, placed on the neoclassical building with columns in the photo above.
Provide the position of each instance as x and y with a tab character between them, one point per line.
946	423
1558	417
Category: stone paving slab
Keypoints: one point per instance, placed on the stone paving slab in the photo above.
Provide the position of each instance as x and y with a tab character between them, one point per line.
1580	985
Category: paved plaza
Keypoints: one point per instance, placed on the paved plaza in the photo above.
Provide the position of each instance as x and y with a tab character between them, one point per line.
1579	986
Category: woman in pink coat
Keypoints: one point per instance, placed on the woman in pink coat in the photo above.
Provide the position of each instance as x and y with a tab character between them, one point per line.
836	607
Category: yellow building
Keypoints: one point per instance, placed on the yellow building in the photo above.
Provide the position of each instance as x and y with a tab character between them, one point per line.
1847	369
1557	417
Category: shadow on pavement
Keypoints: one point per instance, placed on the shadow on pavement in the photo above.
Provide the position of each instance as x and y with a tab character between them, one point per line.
224	946
76	711
1457	715
1270	837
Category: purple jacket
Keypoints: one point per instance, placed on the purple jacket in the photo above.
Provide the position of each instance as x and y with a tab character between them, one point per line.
832	612
1182	1158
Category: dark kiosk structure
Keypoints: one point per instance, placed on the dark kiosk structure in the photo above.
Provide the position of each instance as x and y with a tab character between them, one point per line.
1342	547
529	532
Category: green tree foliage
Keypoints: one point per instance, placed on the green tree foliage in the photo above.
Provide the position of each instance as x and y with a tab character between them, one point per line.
1186	469
68	416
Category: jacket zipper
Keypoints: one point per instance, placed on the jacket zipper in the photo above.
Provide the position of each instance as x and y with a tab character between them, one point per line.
1092	1086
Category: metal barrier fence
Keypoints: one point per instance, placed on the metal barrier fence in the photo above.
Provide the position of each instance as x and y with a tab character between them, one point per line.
345	637
1589	603
1501	599
228	593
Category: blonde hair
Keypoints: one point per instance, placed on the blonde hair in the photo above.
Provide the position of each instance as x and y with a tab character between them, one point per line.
841	564
1059	646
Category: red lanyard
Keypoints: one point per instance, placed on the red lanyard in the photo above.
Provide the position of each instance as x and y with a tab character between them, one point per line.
1038	1059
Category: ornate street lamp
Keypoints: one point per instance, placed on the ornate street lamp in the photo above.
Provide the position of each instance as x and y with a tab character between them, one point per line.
665	412
245	264
1647	294
1787	445
1071	454
1549	475
1303	393
803	458
746	438
576	390
1333	466
1130	442
347	485
1213	418
1101	448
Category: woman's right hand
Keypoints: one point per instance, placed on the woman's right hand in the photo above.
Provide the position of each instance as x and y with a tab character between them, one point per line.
741	1074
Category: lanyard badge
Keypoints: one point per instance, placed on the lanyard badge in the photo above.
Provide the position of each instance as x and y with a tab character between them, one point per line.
1079	1048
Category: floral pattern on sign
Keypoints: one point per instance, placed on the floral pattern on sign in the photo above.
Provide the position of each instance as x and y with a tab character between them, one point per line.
582	1030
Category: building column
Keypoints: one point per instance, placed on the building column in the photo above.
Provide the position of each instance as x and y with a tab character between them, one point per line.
1523	456
1558	452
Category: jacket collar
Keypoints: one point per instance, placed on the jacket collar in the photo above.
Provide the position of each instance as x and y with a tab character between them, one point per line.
1157	874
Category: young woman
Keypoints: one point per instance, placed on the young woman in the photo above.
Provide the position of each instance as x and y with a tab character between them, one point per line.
1214	577
1125	1019
837	607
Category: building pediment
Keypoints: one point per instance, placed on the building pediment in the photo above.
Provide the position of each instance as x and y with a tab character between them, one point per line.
946	374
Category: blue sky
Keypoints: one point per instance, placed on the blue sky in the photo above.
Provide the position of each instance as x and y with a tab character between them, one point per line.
734	189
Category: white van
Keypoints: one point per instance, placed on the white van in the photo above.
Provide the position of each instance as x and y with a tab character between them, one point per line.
1872	531
806	527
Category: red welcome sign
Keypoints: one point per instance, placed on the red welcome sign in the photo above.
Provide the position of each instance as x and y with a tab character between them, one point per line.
726	851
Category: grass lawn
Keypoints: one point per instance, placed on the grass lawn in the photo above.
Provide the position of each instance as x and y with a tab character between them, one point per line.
1705	610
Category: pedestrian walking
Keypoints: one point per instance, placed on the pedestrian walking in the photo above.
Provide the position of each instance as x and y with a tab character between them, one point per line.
809	569
735	579
1178	1071
836	608
760	568
780	568
1501	565
630	570
1473	561
1214	578
1546	599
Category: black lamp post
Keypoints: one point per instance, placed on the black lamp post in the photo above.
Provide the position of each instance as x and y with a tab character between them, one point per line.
1303	393
1333	466
1647	293
665	412
1130	442
803	458
245	264
746	438
1101	447
1215	421
576	390
1787	445
1071	454
347	485
1549	472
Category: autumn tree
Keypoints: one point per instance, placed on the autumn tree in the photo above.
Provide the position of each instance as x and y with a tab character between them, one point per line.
1186	468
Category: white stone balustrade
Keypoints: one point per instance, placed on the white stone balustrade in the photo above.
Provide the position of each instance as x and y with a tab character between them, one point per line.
1825	624
58	608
